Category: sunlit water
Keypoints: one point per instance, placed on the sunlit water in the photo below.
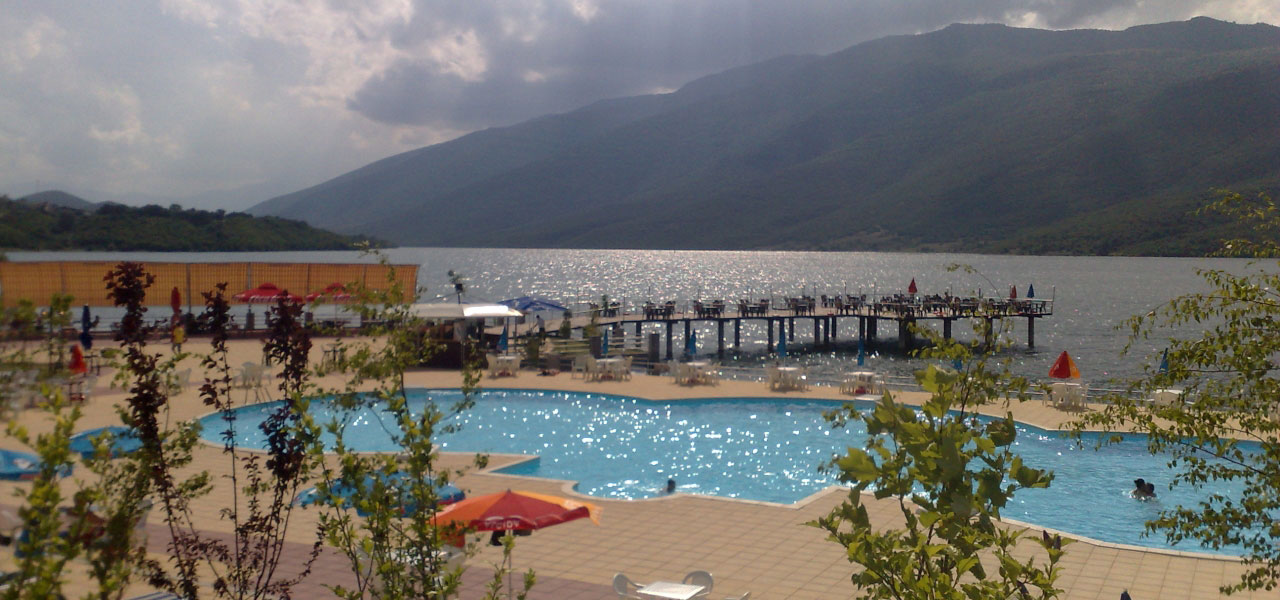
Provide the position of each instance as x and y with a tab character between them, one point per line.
1093	295
750	448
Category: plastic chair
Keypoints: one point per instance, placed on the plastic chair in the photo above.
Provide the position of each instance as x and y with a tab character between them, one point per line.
625	588
701	578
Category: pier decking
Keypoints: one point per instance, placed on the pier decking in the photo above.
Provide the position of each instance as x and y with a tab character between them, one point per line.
826	317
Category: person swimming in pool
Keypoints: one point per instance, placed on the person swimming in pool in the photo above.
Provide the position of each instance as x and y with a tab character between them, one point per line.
1140	489
1151	490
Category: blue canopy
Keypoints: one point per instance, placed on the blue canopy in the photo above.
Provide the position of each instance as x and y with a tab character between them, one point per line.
398	480
19	466
528	304
123	441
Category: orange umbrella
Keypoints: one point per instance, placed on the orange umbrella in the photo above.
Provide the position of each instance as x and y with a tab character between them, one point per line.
1064	367
515	510
78	365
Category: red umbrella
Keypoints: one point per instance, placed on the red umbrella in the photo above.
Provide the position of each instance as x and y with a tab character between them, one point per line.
1013	292
1064	367
265	293
175	300
515	510
78	365
911	289
334	292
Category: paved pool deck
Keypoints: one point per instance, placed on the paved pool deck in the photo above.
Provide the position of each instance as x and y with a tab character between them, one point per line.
759	547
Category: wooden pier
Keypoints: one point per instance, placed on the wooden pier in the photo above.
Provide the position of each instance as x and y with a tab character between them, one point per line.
826	317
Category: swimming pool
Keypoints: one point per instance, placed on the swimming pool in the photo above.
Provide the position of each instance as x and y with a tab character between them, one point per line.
750	448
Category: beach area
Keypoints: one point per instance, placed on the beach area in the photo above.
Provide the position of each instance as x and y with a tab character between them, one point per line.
760	547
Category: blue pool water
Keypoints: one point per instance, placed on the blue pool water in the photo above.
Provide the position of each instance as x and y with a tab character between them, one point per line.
757	449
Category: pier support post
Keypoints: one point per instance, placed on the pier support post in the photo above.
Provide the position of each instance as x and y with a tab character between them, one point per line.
1031	332
769	322
833	326
671	326
946	329
872	326
904	333
817	332
737	334
639	331
720	338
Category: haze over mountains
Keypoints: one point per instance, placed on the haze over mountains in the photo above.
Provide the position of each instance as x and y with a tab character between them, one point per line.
974	137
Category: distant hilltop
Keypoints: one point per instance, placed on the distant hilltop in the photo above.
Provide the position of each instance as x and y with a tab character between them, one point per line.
55	220
979	138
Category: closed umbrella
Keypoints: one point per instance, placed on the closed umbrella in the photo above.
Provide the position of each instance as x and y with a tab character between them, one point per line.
78	364
604	344
691	344
911	289
86	325
502	340
861	353
1064	367
1031	290
175	301
782	341
1164	361
123	441
1013	292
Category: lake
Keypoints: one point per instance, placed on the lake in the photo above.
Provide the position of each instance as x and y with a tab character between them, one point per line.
1092	295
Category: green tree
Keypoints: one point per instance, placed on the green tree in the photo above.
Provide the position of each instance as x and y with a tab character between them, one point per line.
1225	426
949	474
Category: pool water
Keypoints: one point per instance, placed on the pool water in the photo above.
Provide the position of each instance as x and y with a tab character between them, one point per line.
750	448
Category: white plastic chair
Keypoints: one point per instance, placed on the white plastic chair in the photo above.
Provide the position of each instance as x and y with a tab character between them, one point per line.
703	579
579	366
625	588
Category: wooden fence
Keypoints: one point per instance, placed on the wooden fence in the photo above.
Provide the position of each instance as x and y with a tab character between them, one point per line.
84	280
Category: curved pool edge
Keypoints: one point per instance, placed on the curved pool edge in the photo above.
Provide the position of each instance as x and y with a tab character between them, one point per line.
569	487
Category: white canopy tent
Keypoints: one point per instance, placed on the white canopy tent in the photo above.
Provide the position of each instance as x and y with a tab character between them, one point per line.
446	310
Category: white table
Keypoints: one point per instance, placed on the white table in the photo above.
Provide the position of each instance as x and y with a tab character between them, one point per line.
507	364
670	589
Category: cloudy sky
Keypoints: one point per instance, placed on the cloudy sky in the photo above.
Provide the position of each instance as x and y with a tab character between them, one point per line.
224	103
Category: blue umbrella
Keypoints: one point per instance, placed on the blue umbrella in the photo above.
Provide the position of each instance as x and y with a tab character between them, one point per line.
532	304
782	341
604	345
123	441
1031	290
1164	361
502	340
448	494
861	353
22	466
86	338
691	344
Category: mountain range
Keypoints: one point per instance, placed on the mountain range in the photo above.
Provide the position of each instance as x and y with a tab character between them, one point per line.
981	138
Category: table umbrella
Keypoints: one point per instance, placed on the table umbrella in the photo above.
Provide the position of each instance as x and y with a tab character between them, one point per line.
502	339
1013	292
265	293
1164	361
1064	367
604	344
1031	290
691	344
911	289
175	301
529	304
334	292
78	364
86	324
514	511
861	353
23	466
448	494
782	340
123	441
